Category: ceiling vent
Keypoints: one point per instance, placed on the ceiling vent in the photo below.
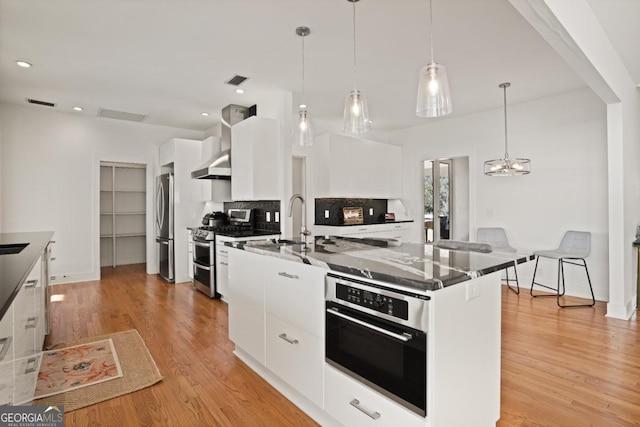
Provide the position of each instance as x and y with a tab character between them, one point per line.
121	115
37	102
236	80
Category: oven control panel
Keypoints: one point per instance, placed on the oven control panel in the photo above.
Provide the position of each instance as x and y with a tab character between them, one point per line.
374	301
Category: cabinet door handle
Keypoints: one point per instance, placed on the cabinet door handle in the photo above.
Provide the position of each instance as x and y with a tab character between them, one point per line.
288	276
224	263
31	323
5	343
398	226
31	365
31	284
356	404
224	252
362	229
287	339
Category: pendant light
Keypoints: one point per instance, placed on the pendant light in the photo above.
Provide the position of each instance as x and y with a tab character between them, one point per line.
434	99
303	134
506	166
356	112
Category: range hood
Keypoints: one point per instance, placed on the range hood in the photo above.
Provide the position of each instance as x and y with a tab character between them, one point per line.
219	166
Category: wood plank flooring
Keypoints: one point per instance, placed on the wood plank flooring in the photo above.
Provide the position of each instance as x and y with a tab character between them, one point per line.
560	367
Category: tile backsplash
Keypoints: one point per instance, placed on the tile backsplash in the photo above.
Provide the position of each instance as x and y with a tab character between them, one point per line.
261	209
333	209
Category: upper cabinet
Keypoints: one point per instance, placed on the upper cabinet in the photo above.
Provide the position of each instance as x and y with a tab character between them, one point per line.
256	159
185	155
352	167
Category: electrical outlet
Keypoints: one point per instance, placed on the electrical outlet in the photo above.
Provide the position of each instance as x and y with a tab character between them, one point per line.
277	216
268	216
370	211
473	290
326	213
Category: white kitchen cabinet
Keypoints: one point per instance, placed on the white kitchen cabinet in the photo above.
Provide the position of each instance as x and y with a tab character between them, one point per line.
26	377
352	403
256	159
353	167
398	230
295	294
246	311
185	155
7	340
190	253
296	356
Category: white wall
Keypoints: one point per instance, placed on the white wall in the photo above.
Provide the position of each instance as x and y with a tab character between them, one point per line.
565	138
50	177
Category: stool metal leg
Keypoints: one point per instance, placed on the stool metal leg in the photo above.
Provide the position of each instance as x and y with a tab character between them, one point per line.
517	288
533	282
561	266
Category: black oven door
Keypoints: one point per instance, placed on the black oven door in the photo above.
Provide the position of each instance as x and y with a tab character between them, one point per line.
203	251
388	357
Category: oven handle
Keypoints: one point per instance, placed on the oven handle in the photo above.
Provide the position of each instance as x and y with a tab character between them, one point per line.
202	245
404	337
196	265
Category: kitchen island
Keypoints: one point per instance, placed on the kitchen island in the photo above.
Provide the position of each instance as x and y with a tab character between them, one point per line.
23	312
286	316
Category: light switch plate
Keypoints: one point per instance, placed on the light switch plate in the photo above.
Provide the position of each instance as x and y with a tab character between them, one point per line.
370	211
326	213
277	216
268	216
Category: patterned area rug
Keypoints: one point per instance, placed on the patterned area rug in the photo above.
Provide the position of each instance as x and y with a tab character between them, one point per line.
139	371
75	367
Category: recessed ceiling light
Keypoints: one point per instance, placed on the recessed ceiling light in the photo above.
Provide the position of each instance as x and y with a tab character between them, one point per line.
24	64
239	90
204	114
78	108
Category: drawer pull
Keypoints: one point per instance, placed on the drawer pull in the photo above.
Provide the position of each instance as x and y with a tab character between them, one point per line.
31	322
5	343
288	276
287	339
31	365
356	404
31	284
224	263
224	252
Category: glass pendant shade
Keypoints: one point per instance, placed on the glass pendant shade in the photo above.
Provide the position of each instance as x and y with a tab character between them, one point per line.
434	98
356	113
303	134
506	166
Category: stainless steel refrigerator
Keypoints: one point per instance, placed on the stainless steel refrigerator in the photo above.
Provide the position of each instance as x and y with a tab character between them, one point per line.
164	227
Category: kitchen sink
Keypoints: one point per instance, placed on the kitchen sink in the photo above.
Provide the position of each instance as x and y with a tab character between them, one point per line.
12	248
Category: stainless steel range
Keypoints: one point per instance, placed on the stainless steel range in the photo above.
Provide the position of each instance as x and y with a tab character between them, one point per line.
237	222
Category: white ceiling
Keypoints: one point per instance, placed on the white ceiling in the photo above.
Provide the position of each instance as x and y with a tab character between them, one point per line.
168	59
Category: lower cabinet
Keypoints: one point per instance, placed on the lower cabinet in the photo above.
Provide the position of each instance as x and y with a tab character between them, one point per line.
26	377
246	312
297	357
7	340
354	404
276	315
399	231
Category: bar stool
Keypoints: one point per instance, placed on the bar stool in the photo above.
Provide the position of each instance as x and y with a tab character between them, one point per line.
497	238
575	246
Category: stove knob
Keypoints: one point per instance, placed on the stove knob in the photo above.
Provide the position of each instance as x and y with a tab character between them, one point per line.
377	303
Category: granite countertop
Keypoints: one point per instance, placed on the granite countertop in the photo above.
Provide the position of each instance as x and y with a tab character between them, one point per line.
421	267
399	221
14	268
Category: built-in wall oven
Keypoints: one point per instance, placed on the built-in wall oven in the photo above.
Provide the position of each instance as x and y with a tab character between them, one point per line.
378	336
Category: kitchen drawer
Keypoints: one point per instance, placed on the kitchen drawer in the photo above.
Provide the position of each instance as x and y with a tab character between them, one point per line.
6	383
26	377
7	338
297	357
25	319
341	393
294	292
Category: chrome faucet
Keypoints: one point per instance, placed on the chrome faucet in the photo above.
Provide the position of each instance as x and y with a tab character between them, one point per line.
303	228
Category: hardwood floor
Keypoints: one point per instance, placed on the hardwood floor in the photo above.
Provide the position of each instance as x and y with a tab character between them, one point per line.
560	367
